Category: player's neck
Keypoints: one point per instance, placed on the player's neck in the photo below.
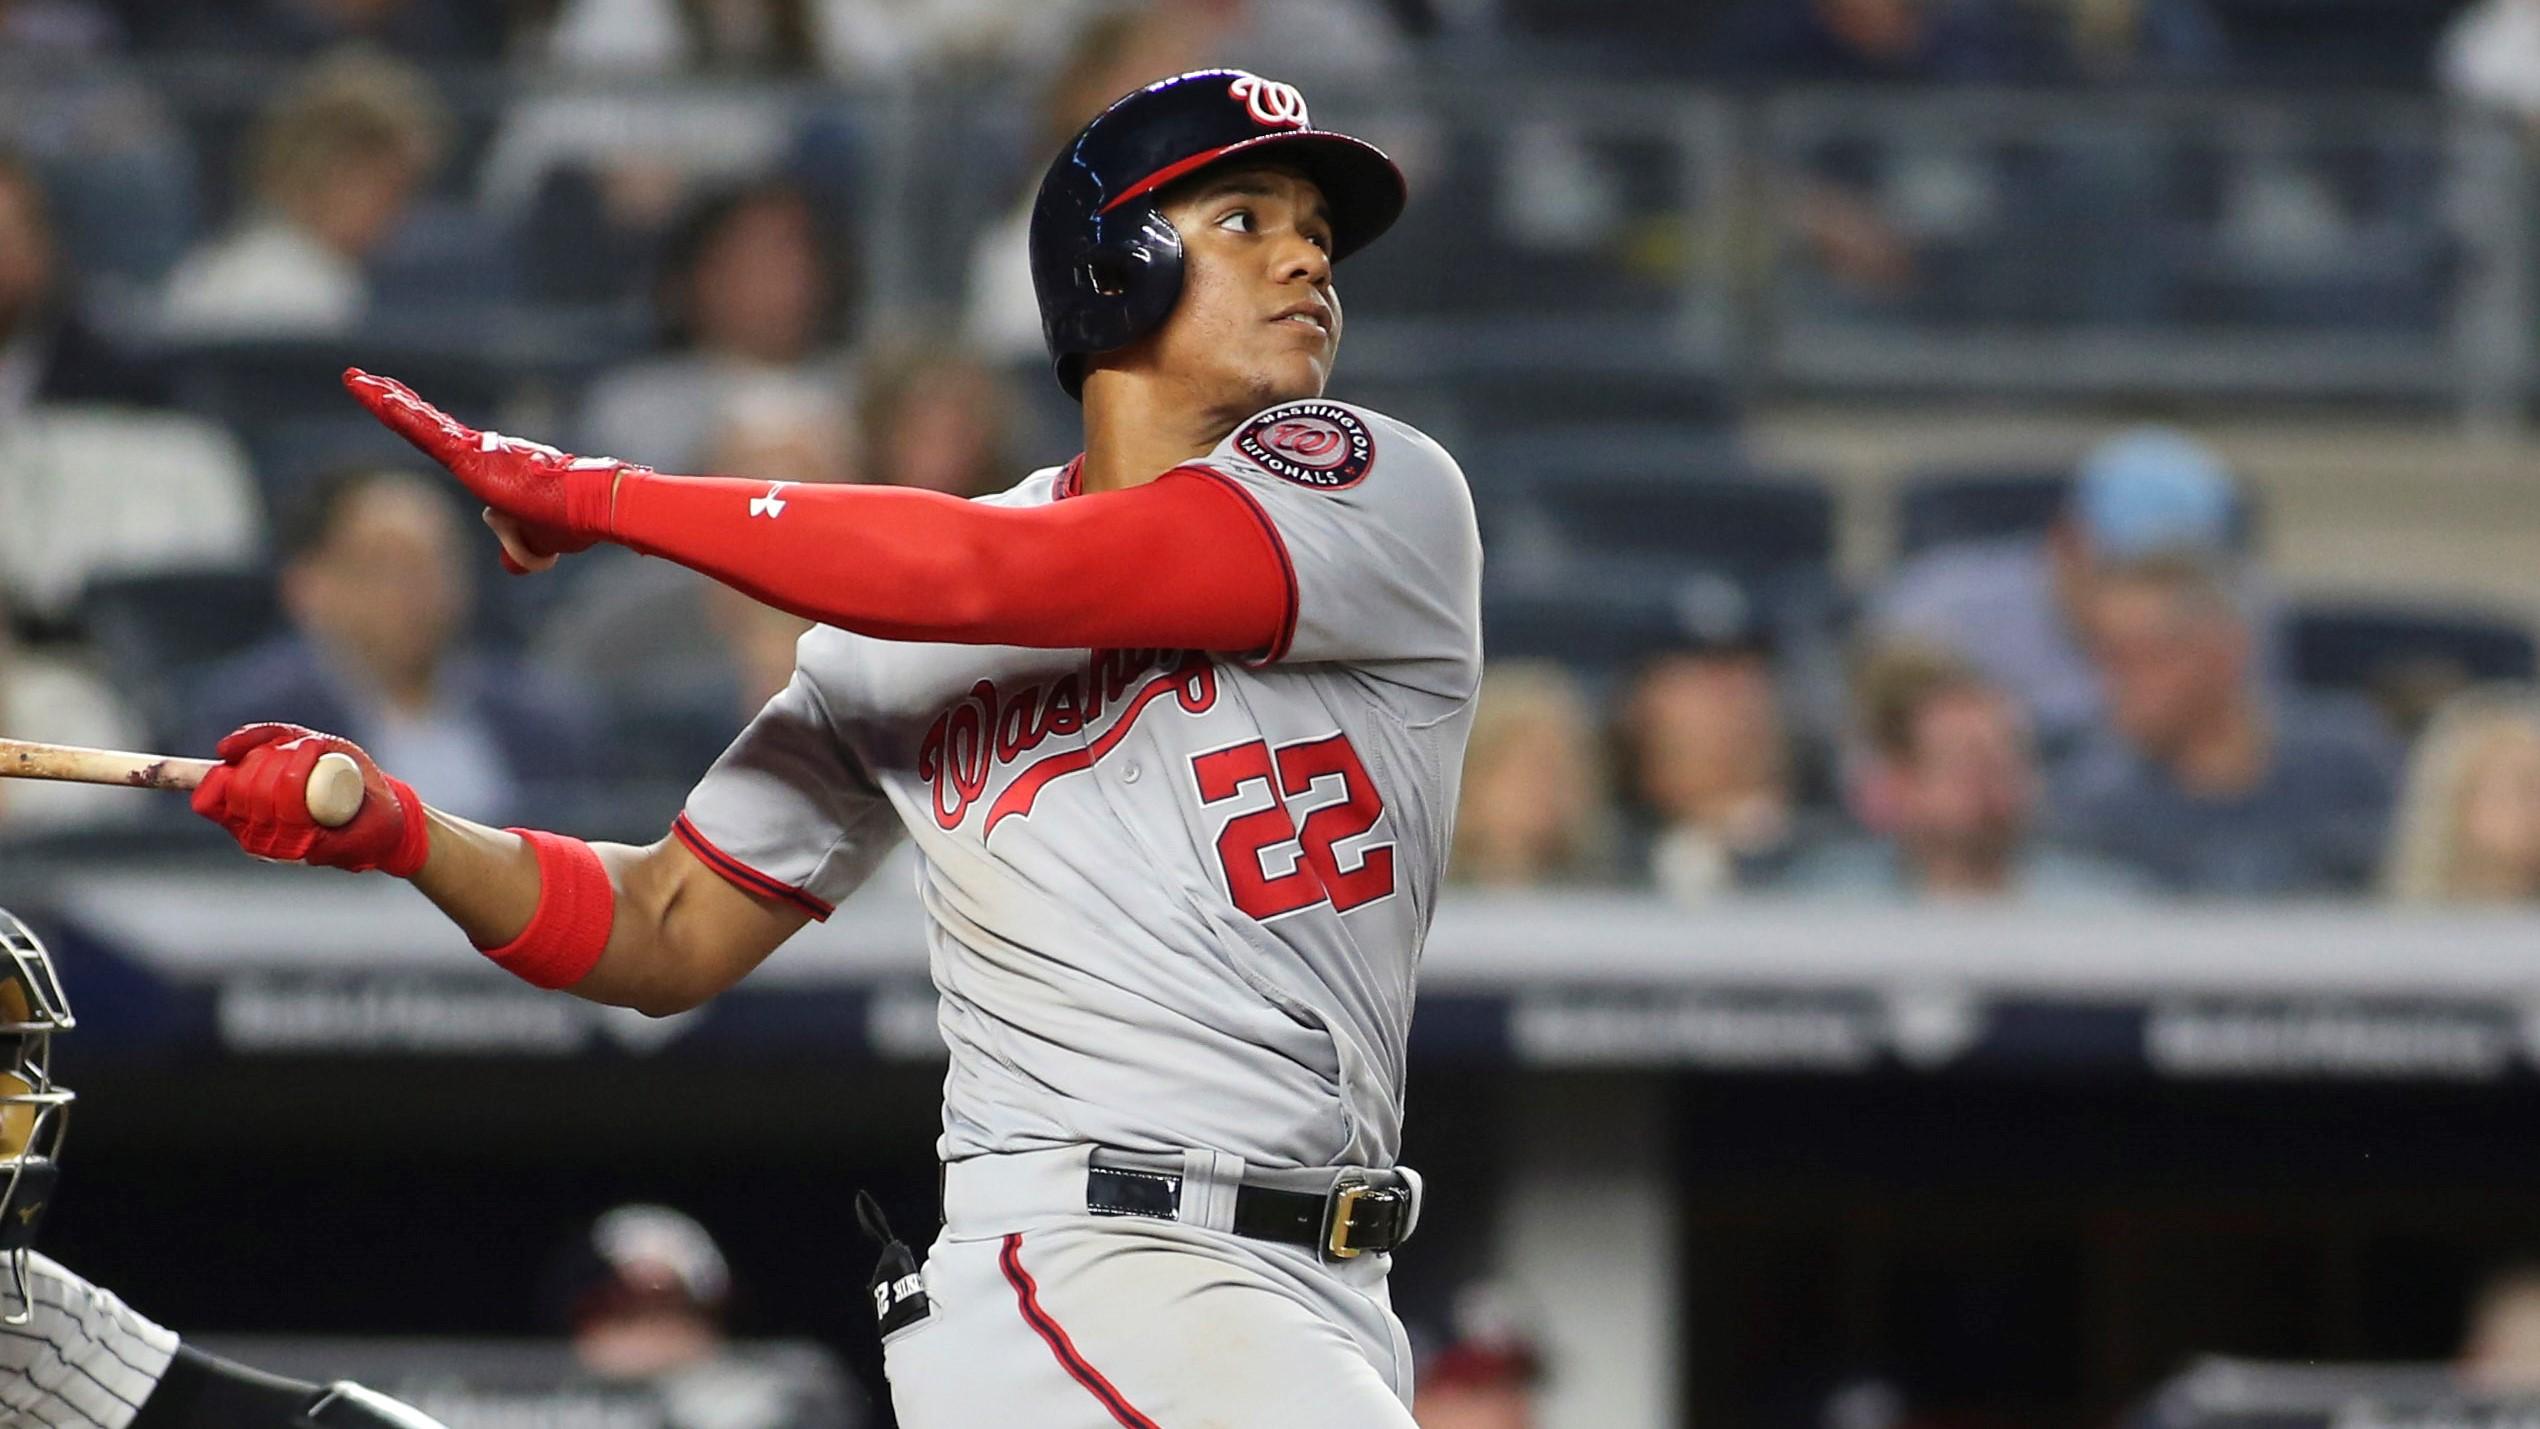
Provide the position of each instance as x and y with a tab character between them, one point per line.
1138	429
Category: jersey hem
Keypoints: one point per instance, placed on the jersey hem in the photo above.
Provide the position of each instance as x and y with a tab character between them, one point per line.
744	877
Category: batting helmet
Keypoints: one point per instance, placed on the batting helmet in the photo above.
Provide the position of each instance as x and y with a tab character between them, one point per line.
33	1112
1107	265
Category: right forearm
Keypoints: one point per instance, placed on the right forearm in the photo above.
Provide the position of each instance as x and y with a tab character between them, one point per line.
486	880
490	884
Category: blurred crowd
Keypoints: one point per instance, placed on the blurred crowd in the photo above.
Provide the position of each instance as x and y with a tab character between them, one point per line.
2109	706
2104	698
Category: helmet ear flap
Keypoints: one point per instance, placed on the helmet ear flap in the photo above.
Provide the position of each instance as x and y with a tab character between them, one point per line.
1130	278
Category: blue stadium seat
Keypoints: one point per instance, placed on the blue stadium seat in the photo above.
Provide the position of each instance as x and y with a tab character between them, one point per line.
1938	508
1747	527
2363	645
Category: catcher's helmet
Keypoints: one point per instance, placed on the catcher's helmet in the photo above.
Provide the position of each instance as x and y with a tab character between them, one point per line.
33	1111
1106	264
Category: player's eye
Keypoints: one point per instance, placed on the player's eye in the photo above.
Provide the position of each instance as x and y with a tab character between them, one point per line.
1240	219
1319	239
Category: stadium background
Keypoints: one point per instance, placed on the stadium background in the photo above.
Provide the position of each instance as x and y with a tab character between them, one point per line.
1732	311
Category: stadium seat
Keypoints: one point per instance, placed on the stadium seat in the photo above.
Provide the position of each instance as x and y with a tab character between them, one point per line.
1747	527
1938	508
101	491
2366	646
154	631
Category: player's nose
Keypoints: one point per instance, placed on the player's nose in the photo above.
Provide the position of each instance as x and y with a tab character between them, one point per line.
1302	260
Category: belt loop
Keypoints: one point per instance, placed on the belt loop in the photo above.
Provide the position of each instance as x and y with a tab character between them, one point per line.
1419	1193
1210	1180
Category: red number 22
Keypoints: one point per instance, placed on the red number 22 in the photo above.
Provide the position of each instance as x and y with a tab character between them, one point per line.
1315	874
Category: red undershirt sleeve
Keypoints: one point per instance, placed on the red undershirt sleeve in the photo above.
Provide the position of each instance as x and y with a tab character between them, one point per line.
1185	562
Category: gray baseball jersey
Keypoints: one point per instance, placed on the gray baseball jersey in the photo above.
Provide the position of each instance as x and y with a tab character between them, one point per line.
1175	901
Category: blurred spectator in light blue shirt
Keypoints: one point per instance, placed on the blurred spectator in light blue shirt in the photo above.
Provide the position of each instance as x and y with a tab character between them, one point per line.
2205	778
1947	783
374	584
2013	606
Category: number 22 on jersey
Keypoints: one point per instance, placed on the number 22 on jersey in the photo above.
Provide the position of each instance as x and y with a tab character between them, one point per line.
1250	840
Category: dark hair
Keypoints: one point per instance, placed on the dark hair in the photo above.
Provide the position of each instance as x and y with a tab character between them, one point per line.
703	222
308	520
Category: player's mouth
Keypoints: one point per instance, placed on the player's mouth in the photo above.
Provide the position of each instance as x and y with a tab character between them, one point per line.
1310	314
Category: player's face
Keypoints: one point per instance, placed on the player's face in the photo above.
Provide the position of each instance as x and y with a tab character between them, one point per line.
1258	322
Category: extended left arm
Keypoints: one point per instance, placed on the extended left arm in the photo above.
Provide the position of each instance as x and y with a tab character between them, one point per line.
1184	562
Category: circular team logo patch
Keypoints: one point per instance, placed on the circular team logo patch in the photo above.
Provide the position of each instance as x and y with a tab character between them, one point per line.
1323	445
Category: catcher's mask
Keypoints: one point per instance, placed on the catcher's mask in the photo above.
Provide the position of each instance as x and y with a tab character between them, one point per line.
33	1111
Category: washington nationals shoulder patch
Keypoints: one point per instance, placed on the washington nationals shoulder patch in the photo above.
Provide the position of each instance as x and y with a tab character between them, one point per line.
1323	445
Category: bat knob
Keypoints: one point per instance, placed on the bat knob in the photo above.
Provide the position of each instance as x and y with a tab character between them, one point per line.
335	790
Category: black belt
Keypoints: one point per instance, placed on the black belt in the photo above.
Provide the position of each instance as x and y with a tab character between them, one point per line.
1353	1219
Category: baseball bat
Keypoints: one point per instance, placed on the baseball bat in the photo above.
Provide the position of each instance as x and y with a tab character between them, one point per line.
335	785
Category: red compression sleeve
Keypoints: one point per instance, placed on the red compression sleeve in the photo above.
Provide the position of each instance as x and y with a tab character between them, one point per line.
1186	562
576	907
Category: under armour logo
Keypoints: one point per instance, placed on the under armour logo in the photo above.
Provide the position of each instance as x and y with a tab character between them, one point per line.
771	505
1273	105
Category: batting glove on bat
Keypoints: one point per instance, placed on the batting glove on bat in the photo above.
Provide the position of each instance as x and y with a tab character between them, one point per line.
260	794
559	501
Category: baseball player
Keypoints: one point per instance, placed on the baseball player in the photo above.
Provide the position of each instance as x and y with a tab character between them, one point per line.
71	1354
1174	728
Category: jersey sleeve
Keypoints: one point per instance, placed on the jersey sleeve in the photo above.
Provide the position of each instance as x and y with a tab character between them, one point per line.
1375	527
788	812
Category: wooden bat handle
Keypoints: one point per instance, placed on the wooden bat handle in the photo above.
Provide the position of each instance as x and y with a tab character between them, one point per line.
335	785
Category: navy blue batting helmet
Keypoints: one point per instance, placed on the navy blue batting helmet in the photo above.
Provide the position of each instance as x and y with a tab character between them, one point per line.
1107	265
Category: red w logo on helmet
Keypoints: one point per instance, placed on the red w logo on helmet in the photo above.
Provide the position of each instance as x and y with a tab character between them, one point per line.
1273	105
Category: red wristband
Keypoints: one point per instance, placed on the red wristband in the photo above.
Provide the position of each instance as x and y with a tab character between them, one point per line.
414	836
576	906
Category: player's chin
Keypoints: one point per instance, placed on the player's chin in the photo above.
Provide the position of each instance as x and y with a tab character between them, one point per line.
1294	376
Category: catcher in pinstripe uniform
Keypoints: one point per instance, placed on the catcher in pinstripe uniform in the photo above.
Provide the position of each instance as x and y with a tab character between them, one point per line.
72	1356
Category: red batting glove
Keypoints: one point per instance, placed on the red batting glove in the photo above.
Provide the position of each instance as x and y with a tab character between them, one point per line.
561	499
260	794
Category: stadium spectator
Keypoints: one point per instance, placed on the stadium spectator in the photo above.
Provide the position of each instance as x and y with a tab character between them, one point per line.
938	418
690	660
2468	827
1707	767
670	37
334	165
374	587
1964	42
48	352
2205	779
1948	784
2490	55
2013	606
57	27
644	1293
1534	808
1485	1372
752	295
54	699
1871	41
2500	1347
438	30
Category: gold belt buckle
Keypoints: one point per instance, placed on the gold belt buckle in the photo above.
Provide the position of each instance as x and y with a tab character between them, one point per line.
1345	1199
